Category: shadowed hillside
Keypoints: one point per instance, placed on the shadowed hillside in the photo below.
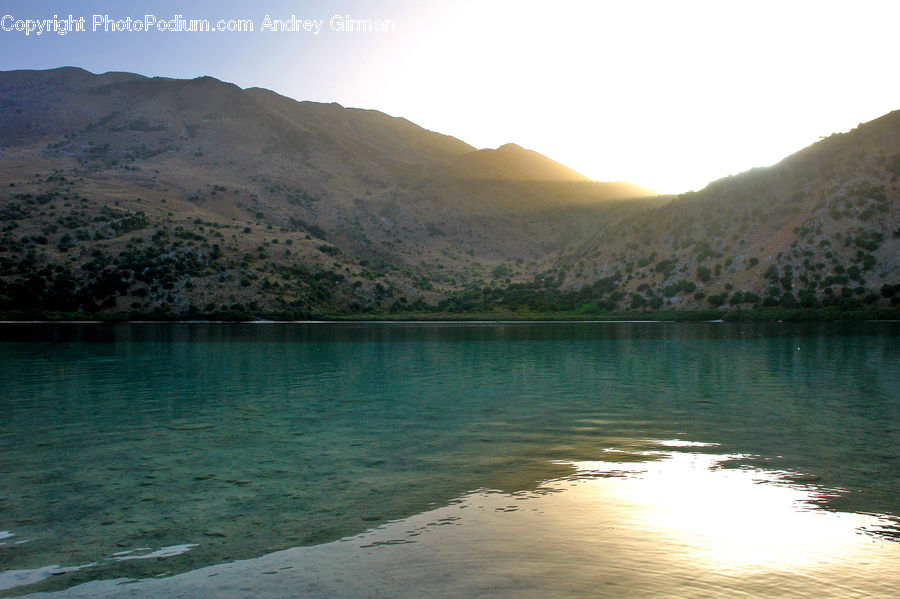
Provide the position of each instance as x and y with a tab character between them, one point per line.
820	228
121	192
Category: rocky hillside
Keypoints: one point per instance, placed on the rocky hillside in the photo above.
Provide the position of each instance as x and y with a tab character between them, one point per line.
121	193
820	228
126	193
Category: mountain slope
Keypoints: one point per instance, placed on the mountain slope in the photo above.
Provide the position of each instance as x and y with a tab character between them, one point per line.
512	162
126	192
820	228
159	196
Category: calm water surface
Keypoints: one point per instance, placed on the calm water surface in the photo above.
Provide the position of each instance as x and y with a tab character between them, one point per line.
576	459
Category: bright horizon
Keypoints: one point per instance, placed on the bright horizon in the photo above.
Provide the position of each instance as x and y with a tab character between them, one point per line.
662	94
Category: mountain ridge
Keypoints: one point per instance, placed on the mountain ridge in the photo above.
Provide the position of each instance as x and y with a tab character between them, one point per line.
355	191
128	193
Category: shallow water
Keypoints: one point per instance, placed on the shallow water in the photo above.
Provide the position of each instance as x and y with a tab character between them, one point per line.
139	451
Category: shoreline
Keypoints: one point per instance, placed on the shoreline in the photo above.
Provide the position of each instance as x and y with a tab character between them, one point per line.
756	315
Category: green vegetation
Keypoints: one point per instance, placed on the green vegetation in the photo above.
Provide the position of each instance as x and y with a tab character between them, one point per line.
109	233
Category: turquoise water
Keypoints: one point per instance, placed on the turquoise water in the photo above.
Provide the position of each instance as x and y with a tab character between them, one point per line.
146	450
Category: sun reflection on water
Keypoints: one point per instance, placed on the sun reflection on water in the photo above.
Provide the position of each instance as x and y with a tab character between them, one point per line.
733	519
642	523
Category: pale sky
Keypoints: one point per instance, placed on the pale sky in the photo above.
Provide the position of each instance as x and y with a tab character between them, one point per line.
666	94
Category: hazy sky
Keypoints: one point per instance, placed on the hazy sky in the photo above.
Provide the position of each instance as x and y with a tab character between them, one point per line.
668	94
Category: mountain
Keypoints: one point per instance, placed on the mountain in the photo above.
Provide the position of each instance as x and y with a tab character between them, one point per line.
513	163
127	193
821	228
154	196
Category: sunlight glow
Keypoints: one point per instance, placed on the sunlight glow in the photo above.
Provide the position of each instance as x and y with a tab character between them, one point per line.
668	95
734	519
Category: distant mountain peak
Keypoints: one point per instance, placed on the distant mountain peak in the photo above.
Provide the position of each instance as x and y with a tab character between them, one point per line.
512	162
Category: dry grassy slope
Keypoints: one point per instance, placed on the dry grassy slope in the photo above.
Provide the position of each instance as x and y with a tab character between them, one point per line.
374	198
823	223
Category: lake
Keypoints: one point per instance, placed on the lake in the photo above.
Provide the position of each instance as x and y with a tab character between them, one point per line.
450	459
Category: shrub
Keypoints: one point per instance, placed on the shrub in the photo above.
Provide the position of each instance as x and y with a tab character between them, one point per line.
717	300
809	300
665	267
501	271
788	300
